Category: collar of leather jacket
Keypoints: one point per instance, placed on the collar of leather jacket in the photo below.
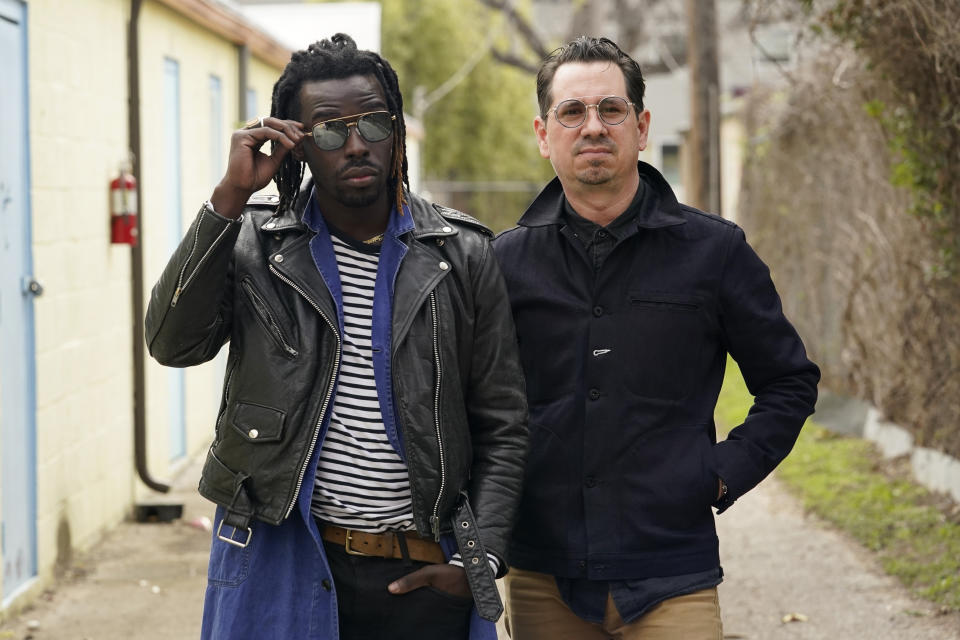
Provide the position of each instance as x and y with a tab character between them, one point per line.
429	219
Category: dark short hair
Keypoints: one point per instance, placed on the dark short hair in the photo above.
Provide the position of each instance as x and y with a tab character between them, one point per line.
589	49
336	58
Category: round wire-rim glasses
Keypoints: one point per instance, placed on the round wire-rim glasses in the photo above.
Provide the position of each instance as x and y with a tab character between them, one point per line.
373	126
572	113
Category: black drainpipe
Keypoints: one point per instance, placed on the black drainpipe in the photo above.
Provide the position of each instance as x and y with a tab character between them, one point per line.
243	76
136	257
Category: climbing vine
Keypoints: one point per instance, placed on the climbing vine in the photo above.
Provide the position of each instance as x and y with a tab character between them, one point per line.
914	47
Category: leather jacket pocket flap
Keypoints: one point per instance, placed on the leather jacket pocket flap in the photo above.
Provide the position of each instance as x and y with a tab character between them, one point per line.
256	423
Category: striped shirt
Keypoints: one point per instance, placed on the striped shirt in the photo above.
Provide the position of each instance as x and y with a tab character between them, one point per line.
361	481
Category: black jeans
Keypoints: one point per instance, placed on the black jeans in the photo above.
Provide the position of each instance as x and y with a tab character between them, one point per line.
368	611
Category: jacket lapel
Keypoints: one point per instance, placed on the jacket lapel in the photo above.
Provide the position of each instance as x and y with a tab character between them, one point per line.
422	268
294	264
419	274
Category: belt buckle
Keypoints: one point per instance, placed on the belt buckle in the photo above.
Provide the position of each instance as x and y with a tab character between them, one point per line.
347	546
231	540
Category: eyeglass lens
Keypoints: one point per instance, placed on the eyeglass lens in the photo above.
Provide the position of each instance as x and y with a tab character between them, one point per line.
373	127
573	113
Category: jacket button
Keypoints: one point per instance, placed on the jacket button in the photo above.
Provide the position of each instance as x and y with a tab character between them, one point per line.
253	433
598	311
594	394
270	225
475	560
278	258
444	266
325	584
464	524
471	544
447	229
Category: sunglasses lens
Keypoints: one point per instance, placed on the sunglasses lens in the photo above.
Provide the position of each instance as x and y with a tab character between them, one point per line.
375	127
330	135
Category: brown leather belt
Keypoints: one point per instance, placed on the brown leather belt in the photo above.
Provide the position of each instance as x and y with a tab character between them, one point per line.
384	545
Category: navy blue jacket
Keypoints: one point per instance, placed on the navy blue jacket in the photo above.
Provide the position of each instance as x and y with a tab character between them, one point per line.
623	369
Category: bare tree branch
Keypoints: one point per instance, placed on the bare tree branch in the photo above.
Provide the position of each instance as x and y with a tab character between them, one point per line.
587	18
658	67
514	61
633	23
522	26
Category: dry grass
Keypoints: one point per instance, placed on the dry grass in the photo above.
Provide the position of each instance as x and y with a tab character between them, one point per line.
845	170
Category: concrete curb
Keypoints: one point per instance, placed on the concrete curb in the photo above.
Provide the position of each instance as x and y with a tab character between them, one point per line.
933	469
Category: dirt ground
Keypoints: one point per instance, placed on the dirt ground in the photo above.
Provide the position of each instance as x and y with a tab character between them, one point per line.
146	581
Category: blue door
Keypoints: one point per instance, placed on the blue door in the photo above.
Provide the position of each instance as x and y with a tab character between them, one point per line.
173	190
18	510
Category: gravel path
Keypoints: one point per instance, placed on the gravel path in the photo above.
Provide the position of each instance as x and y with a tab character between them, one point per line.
777	562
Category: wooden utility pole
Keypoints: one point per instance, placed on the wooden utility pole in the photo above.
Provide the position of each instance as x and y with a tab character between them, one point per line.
703	145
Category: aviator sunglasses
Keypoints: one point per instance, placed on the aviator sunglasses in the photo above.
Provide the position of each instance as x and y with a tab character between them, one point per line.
373	126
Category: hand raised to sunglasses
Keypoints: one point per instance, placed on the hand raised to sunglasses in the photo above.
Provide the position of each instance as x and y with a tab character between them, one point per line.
248	168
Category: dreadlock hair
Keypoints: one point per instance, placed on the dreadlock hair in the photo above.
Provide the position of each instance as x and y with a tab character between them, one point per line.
589	49
336	58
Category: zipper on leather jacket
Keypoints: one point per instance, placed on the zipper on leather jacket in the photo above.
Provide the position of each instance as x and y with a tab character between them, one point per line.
181	285
434	518
326	399
264	312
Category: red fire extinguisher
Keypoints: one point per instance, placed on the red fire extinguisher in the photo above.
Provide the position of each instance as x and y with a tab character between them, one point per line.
123	208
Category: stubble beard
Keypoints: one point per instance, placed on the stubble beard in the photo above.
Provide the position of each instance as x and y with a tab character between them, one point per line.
360	197
595	174
364	198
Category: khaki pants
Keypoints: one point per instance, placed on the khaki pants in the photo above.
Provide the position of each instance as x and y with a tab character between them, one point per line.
536	611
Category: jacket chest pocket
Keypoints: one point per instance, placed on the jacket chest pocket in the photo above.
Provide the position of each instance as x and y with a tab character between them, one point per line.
269	319
665	338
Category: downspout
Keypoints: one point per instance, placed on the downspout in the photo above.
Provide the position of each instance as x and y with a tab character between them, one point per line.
243	81
136	257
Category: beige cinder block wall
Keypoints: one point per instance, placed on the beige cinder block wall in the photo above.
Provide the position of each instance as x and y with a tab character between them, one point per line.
78	130
78	136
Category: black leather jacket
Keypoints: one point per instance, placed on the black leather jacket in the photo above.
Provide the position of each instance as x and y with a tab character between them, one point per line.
458	384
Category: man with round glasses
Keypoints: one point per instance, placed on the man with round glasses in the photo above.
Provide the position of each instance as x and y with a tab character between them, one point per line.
627	304
367	457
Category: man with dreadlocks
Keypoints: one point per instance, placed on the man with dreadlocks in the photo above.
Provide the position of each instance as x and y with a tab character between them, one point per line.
368	452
